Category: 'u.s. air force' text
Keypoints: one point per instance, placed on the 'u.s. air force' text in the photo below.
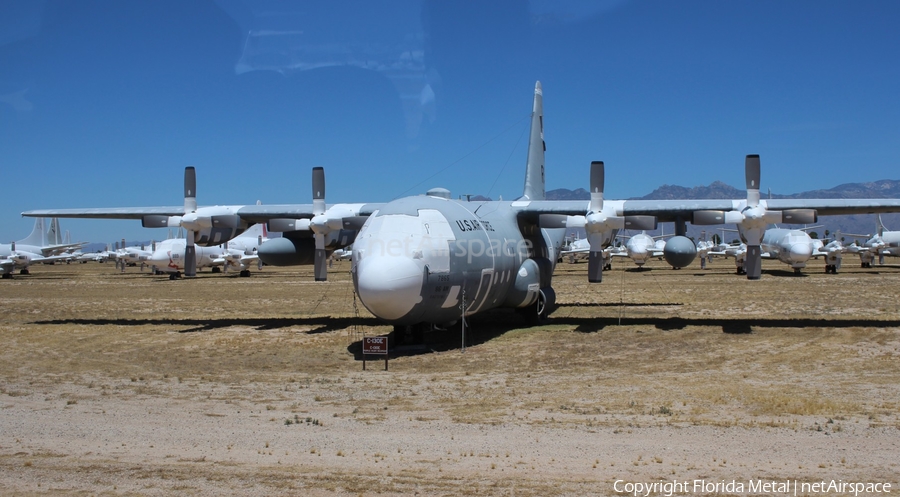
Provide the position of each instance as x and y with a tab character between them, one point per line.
473	224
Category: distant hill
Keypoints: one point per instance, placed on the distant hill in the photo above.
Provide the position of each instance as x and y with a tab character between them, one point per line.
861	224
885	188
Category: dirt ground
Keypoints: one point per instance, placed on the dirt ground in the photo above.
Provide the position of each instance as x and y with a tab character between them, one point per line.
130	384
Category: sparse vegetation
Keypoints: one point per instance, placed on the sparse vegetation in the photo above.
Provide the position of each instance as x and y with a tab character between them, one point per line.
657	351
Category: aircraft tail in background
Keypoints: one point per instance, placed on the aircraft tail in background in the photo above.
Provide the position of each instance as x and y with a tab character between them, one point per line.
38	236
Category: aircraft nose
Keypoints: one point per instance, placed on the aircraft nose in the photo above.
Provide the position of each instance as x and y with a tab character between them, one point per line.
800	252
389	286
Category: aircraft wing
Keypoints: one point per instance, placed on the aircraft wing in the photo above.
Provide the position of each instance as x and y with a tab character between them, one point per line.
58	249
263	213
50	258
108	212
672	210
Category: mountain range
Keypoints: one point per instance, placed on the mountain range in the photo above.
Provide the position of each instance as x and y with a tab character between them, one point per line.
859	223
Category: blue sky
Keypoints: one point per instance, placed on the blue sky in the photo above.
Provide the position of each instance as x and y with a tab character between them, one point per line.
104	103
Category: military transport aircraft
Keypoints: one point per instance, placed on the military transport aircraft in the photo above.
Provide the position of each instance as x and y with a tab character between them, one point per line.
419	261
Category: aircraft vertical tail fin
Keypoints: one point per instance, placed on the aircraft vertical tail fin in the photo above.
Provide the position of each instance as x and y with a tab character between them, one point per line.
254	231
54	235
879	226
38	236
534	166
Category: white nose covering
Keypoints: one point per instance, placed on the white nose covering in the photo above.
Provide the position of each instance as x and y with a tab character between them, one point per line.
389	286
800	252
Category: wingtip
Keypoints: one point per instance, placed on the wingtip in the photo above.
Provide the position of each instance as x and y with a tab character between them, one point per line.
538	88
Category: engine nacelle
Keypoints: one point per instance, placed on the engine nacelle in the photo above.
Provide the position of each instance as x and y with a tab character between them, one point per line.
279	225
679	251
286	251
298	248
800	216
222	228
526	286
209	231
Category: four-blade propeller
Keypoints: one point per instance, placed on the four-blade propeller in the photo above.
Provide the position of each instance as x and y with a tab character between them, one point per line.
753	218
601	220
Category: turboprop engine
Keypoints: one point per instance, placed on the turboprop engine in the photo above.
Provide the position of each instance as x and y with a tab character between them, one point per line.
298	248
211	226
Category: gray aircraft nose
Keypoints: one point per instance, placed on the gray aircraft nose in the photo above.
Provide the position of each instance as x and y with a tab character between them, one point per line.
389	286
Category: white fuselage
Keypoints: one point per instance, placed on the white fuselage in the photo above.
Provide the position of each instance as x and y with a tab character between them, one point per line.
642	247
792	247
22	257
169	255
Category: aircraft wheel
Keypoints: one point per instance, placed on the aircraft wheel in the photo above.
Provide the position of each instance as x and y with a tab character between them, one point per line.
24	271
537	312
6	276
216	269
409	334
172	277
245	273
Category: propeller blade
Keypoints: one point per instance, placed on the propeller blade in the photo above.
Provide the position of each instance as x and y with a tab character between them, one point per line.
190	205
752	173
597	183
318	190
190	255
595	257
595	267
321	268
190	189
753	263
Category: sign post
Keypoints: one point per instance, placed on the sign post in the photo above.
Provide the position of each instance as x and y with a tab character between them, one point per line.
375	346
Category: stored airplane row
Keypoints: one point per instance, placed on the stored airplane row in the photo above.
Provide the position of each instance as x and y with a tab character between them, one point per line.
417	261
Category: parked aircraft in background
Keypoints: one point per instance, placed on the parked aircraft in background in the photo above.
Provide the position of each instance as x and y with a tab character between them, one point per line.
642	247
579	248
429	260
44	244
100	256
882	243
242	251
171	257
343	254
704	247
133	255
833	252
793	247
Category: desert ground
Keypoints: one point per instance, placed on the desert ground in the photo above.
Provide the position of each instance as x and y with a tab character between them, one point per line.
130	384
